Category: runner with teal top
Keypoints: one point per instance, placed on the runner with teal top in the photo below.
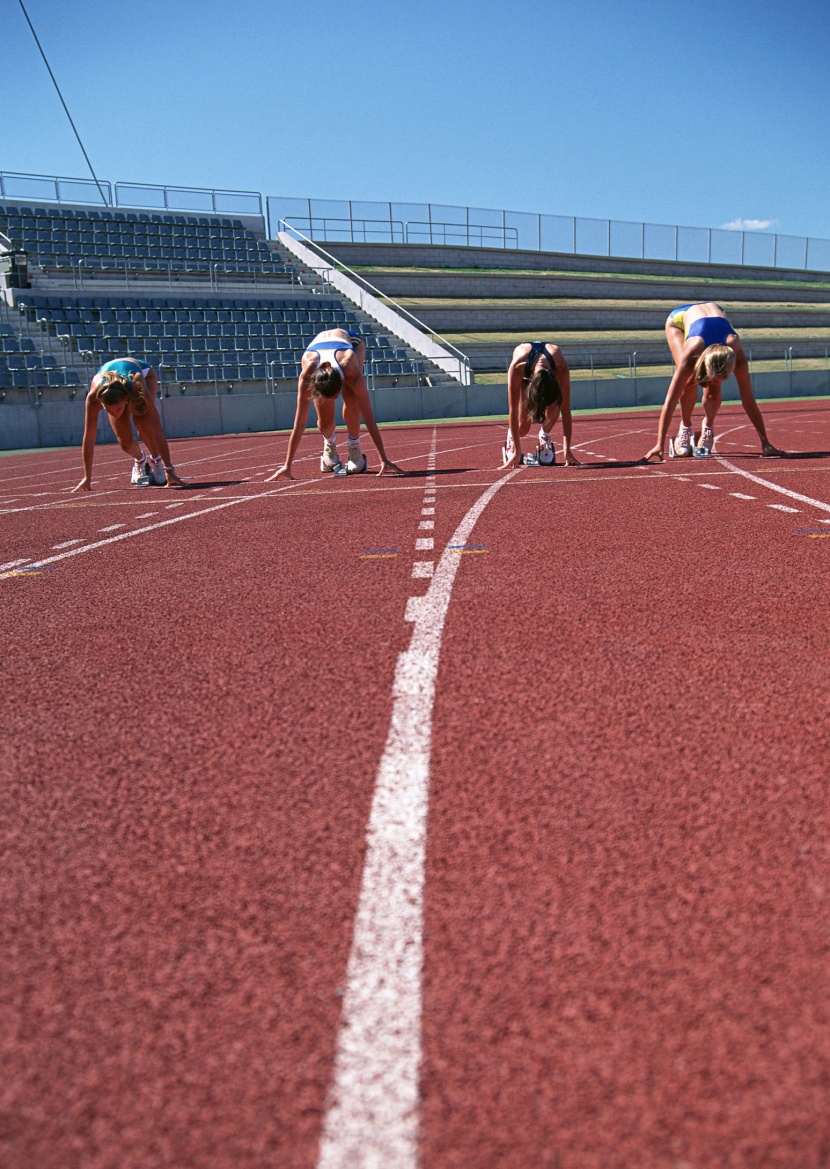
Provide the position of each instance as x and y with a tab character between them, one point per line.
127	388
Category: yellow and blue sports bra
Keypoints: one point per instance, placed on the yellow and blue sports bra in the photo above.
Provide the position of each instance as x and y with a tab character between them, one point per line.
713	330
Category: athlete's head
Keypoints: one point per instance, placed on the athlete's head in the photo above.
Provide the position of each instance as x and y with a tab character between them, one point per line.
327	381
716	363
543	390
114	388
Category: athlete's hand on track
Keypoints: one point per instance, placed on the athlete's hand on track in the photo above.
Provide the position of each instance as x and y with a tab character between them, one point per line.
571	460
515	461
84	485
283	472
173	479
387	465
768	451
656	452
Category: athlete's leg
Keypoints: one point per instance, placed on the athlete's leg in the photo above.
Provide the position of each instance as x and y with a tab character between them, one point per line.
123	430
688	399
712	398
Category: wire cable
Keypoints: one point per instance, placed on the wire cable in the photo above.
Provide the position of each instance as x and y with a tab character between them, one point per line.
104	199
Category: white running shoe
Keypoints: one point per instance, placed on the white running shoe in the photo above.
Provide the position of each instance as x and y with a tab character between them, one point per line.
155	469
682	445
356	464
329	460
545	451
140	476
703	449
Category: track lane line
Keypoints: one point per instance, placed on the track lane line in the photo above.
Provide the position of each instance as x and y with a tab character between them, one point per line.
154	527
372	1115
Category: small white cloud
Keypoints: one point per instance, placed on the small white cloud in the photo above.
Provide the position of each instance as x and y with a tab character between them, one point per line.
749	224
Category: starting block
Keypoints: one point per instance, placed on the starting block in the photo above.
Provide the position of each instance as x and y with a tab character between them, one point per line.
699	452
539	458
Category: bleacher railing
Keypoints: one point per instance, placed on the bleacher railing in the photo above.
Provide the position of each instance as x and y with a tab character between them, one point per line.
132	196
352	221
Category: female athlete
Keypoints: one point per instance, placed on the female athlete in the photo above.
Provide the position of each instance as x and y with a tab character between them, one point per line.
126	389
706	351
333	364
538	389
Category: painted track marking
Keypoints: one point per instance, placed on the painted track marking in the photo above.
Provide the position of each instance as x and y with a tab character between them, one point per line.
178	519
372	1118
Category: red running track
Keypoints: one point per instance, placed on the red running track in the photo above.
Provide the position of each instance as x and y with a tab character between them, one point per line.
625	908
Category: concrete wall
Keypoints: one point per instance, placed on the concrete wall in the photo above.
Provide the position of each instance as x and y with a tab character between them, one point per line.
506	286
62	423
422	255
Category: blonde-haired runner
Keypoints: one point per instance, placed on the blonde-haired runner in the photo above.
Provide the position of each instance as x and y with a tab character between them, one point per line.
706	351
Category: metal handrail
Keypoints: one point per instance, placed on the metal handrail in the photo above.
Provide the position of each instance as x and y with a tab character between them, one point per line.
381	296
166	191
463	230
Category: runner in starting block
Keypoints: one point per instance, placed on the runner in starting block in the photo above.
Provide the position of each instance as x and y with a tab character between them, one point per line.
706	351
538	390
333	363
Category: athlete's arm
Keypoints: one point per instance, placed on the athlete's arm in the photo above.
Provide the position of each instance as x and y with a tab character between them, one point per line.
304	389
92	408
563	375
744	380
357	384
674	393
515	376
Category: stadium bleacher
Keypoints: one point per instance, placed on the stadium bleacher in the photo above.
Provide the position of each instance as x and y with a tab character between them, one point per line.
68	321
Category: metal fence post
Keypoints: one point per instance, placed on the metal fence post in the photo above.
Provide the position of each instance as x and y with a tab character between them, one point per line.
743	244
539	232
676	238
775	250
609	239
429	221
709	248
574	219
642	241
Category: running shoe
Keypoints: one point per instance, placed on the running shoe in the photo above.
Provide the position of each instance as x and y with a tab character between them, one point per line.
545	451
329	460
682	445
140	476
703	449
356	463
155	469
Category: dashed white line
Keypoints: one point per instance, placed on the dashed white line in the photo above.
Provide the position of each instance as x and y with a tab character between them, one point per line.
427	511
709	486
112	528
66	544
426	525
425	544
740	495
145	515
774	486
783	507
372	1118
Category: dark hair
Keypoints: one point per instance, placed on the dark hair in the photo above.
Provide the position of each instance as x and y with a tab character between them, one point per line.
115	387
543	390
327	381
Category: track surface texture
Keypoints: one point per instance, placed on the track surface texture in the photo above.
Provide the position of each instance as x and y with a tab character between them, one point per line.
465	819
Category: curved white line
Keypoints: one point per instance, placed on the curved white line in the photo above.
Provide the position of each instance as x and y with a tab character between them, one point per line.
372	1118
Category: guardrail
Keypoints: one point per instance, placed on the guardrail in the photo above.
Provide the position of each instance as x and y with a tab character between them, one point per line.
140	196
376	304
353	221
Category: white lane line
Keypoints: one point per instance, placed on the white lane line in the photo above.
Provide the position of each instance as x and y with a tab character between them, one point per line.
774	486
14	564
783	507
112	528
372	1116
145	515
740	495
176	519
426	525
709	486
427	511
65	544
425	544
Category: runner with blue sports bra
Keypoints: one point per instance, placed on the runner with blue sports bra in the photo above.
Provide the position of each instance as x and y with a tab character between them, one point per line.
333	364
127	388
538	390
706	351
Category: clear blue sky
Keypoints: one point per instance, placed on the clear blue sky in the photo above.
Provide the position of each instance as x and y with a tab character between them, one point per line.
701	113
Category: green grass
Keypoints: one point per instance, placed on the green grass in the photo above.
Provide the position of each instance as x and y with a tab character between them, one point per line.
633	276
